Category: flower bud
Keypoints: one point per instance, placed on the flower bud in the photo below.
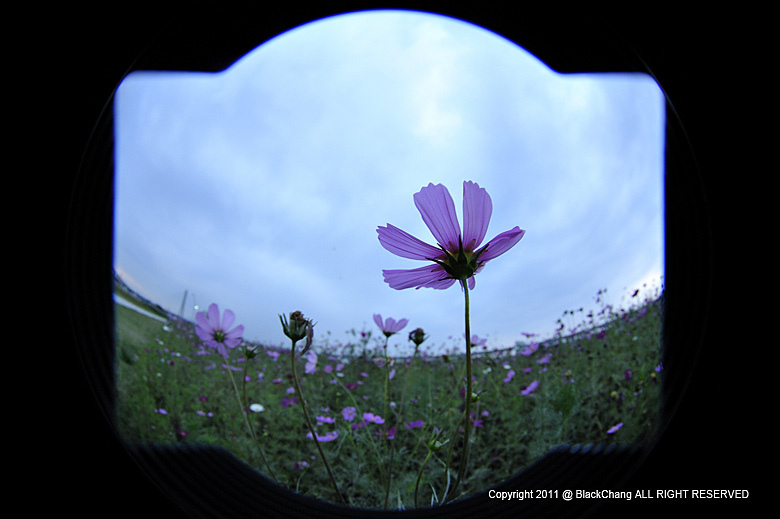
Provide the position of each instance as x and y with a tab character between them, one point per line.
434	445
417	336
297	328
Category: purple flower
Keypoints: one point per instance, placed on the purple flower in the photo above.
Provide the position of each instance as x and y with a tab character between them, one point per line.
373	418
544	360
348	413
311	363
287	402
218	334
325	419
533	385
415	424
390	326
458	256
388	434
476	341
615	428
327	437
509	375
530	349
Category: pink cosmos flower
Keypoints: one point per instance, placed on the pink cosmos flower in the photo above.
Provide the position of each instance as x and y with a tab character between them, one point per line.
311	363
373	418
388	434
530	349
458	256
218	334
527	391
390	326
327	437
348	413
544	360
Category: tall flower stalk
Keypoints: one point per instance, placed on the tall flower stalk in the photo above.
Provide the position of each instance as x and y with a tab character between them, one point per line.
217	334
251	353
469	395
296	329
459	256
389	328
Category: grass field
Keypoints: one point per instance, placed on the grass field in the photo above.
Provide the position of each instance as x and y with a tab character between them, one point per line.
599	381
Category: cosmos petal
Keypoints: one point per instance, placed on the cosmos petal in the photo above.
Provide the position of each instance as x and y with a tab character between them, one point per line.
228	318
477	209
236	332
400	325
427	276
502	243
204	328
213	316
403	244
438	212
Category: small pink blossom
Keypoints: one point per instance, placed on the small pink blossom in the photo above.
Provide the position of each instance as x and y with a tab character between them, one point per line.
311	363
348	413
327	437
390	326
544	360
415	424
533	385
373	418
530	349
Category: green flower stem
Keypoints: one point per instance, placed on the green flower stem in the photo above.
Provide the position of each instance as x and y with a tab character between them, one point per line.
467	413
449	460
419	476
311	427
398	421
251	427
243	408
387	422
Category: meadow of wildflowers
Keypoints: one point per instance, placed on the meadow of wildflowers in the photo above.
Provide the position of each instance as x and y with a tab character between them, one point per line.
358	427
390	429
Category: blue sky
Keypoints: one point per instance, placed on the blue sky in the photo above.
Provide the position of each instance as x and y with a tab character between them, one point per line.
261	187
